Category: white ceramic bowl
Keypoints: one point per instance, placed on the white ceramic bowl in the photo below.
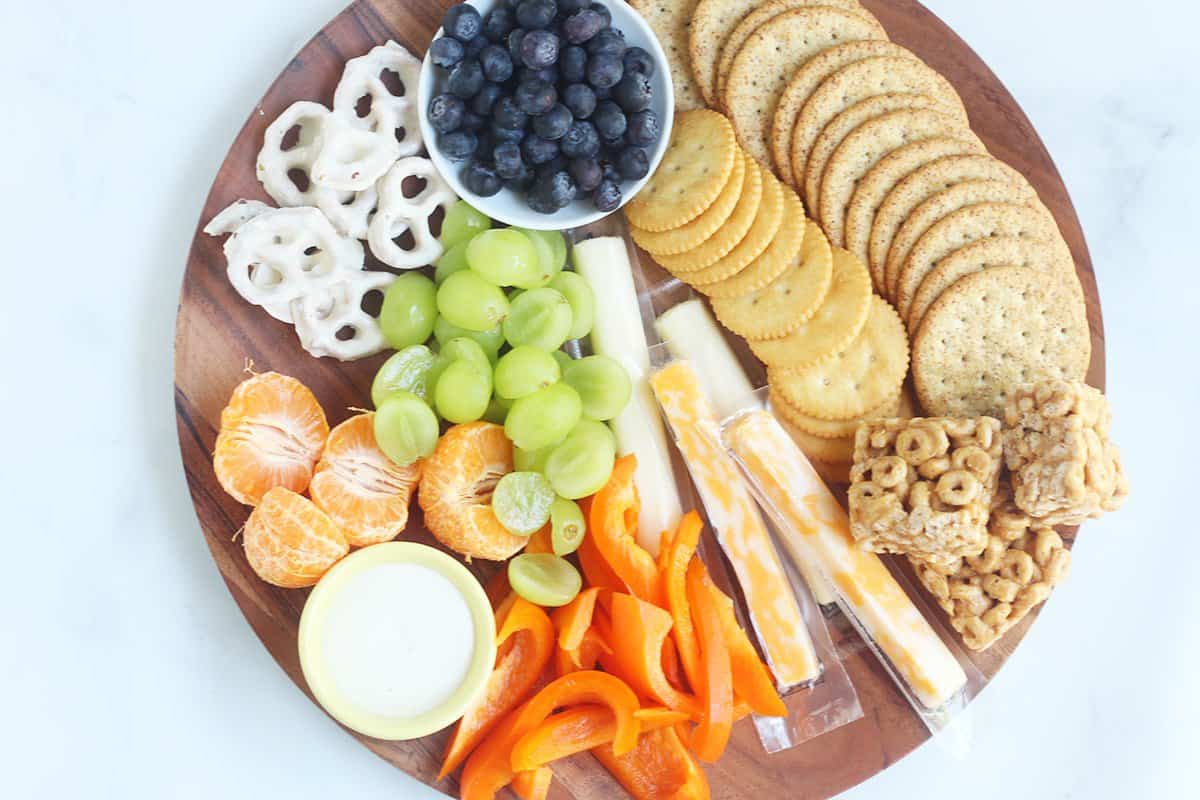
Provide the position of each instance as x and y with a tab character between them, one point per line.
509	206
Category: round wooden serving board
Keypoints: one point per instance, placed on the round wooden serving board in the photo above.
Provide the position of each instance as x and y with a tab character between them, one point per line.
217	333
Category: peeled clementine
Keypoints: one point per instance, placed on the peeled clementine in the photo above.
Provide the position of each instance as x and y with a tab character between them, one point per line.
362	490
289	541
271	435
456	491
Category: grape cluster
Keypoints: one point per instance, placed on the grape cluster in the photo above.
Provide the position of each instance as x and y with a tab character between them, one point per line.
545	98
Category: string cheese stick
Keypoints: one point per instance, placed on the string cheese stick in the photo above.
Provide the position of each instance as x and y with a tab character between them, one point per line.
818	529
774	612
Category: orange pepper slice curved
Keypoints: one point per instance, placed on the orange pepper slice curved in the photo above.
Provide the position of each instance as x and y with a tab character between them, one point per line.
533	785
573	620
613	524
715	686
637	651
752	681
682	551
586	656
659	768
579	729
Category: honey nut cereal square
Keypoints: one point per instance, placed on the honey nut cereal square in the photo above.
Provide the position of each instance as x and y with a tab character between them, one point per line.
986	595
922	487
1064	467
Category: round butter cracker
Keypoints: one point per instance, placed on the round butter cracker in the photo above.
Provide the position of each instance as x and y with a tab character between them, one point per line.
832	428
783	251
690	235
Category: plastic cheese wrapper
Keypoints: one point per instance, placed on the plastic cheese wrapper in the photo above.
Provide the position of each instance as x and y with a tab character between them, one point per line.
618	333
789	626
936	680
691	334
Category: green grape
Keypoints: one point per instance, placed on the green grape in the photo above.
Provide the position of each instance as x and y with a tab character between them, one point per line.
602	383
464	348
496	412
452	261
543	418
544	579
582	299
461	223
490	340
409	310
531	460
405	428
470	302
540	318
463	391
405	371
552	255
521	501
505	257
523	370
564	360
567	526
582	464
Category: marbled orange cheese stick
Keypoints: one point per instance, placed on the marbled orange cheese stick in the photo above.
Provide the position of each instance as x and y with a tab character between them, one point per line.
774	611
818	529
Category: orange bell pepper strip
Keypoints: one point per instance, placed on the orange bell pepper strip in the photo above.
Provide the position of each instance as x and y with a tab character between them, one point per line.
579	729
586	656
659	768
596	571
573	620
540	541
715	687
525	644
670	665
489	768
752	681
640	629
682	552
613	525
533	785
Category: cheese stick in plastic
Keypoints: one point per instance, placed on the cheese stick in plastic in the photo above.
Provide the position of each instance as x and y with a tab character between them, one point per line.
817	528
734	515
618	333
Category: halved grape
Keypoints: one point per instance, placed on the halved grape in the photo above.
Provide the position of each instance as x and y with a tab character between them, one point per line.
470	302
464	348
452	261
463	391
602	383
404	371
409	310
521	501
567	526
490	340
531	460
405	428
504	256
544	579
579	294
540	318
543	418
461	223
552	255
582	464
523	370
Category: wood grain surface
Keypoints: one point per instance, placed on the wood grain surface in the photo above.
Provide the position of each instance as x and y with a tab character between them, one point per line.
218	334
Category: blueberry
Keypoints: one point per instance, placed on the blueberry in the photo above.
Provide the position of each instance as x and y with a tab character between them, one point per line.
642	129
610	41
496	63
481	178
539	49
556	164
508	114
485	98
446	52
471	121
632	163
607	196
582	26
498	23
604	70
486	143
552	192
514	44
580	140
537	150
462	22
458	145
536	13
603	11
522	181
586	172
632	92
568	7
572	63
610	172
508	160
476	45
446	113
500	134
554	123
609	119
613	144
638	60
466	79
602	93
547	74
580	99
512	4
536	97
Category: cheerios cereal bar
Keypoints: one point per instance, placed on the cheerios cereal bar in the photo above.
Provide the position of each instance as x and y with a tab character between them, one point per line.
1064	468
987	594
922	486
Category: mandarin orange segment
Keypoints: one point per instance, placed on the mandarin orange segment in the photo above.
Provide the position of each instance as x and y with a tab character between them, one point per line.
456	491
272	432
362	490
289	541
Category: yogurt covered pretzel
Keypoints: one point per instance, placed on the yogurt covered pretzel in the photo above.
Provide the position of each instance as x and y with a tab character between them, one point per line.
390	114
397	214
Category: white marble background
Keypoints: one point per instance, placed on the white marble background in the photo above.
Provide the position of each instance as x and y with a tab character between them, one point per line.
126	668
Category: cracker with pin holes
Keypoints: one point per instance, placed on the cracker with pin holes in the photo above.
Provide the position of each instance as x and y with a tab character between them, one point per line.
688	236
781	253
670	20
834	428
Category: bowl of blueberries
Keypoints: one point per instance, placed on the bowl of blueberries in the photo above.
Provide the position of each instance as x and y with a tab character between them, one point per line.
546	114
